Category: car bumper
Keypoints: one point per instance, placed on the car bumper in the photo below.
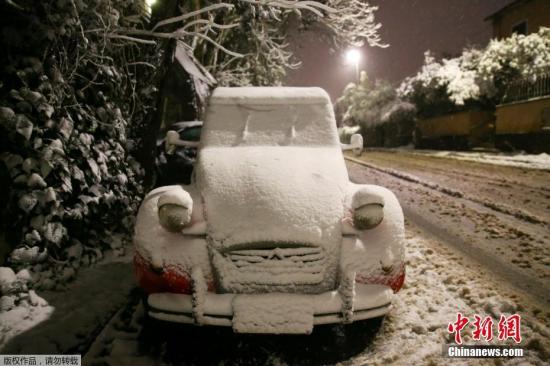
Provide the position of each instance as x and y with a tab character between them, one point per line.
366	301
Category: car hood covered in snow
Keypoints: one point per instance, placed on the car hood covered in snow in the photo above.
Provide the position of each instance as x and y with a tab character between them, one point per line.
272	194
274	215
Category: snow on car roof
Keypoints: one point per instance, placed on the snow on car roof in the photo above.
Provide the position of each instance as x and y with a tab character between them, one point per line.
269	95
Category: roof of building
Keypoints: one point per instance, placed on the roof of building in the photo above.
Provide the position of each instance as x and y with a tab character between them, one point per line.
513	4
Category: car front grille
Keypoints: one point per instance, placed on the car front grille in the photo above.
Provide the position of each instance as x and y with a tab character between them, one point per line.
276	268
279	260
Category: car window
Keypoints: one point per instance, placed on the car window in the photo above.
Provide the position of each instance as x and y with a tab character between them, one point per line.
191	134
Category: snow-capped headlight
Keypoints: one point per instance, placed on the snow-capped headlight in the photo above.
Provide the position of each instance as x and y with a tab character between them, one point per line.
368	216
174	209
368	208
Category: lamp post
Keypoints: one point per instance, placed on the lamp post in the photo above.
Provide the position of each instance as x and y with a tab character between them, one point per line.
353	56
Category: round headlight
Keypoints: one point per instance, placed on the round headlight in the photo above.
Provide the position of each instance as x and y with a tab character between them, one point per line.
174	209
174	217
368	216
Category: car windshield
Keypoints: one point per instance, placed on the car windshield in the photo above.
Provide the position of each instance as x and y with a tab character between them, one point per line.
270	125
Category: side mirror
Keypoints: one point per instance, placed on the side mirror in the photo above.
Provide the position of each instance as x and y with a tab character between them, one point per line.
356	144
172	141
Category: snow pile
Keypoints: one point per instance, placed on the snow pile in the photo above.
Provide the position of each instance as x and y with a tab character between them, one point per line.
71	318
530	161
20	309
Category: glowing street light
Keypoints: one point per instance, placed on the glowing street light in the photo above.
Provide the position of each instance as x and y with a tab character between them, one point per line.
149	6
353	56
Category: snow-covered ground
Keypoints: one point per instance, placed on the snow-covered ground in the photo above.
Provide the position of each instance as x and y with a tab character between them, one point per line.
67	319
31	311
519	160
500	213
439	284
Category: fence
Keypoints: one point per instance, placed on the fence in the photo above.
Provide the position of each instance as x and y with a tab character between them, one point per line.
527	89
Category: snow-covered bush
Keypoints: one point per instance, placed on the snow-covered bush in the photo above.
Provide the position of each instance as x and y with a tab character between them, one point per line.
376	109
363	103
398	123
477	77
69	97
516	57
441	87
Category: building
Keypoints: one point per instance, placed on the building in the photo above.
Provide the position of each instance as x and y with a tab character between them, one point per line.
520	16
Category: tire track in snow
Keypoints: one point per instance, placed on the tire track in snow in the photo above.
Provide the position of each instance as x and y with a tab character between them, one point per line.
421	163
515	212
461	241
518	279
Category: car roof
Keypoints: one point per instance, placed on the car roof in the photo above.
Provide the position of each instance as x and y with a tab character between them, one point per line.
185	124
269	96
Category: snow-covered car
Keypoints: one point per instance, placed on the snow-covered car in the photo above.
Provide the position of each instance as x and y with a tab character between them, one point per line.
270	236
174	165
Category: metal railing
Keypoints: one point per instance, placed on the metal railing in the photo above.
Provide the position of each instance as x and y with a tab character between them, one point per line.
527	89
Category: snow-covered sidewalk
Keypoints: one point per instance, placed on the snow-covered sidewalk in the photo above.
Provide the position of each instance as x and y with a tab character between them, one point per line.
518	160
67	321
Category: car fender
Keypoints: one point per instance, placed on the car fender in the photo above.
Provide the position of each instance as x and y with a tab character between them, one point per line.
376	255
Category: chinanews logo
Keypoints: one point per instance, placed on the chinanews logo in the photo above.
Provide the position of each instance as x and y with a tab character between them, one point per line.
483	329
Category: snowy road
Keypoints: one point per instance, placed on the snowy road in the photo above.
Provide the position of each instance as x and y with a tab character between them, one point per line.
499	216
477	242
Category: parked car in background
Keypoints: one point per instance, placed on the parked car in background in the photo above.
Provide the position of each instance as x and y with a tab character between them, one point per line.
270	236
176	166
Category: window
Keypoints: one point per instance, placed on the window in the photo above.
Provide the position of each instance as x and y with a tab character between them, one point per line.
520	28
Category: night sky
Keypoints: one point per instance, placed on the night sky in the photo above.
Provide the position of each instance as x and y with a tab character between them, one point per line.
410	27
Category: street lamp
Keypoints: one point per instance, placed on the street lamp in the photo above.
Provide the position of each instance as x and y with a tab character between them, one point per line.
353	56
149	5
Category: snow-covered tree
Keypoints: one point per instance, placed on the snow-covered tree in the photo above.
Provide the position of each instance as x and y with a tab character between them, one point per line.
443	86
517	57
244	42
382	117
364	103
477	76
